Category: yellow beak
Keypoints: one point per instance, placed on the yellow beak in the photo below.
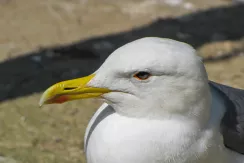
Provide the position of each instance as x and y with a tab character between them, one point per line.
71	90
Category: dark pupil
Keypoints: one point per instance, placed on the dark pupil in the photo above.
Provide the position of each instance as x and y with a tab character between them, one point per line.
142	75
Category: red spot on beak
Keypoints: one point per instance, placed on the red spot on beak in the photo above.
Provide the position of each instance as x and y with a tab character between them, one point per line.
61	99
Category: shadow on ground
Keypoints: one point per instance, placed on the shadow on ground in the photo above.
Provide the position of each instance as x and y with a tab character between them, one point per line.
35	71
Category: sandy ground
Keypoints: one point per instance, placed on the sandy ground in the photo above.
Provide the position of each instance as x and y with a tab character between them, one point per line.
42	42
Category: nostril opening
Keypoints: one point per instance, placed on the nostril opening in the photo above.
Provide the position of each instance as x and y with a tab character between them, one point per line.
69	88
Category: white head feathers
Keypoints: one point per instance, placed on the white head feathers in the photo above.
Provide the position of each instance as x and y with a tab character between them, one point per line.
177	86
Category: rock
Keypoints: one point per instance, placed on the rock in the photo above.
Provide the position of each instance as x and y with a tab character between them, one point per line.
188	6
238	1
36	58
173	2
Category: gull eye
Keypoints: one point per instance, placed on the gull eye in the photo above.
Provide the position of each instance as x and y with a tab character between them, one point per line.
142	75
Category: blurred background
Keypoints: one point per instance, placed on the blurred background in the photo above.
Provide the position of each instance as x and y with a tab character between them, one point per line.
43	42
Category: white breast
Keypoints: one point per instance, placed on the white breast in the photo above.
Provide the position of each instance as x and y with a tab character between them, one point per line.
119	139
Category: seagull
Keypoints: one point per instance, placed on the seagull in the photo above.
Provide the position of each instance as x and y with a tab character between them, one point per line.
159	107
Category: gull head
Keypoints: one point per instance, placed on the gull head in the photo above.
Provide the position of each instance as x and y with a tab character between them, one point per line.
149	77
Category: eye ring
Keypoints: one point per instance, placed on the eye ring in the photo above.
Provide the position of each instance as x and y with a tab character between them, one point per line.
142	75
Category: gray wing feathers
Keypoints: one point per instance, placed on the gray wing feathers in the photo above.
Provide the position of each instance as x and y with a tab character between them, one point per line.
232	124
